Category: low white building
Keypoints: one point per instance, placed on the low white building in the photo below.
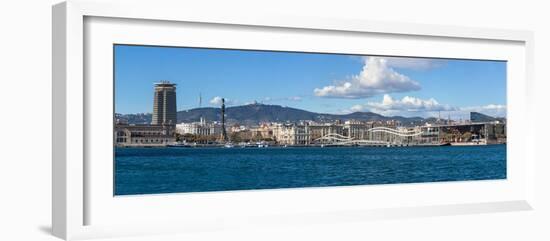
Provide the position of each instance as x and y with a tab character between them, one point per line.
290	134
201	128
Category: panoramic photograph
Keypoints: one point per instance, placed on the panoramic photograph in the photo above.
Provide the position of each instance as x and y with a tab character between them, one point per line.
202	119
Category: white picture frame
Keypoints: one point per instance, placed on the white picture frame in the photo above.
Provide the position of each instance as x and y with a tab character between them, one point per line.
77	195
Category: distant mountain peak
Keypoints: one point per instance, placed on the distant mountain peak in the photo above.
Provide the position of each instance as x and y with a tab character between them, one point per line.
254	113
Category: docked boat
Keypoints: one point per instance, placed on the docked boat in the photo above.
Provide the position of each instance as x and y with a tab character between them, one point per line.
469	143
178	144
262	144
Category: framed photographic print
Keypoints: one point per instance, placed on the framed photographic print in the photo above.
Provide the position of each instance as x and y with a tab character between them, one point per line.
177	121
274	119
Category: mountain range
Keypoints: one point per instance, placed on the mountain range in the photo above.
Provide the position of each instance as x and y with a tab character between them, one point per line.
255	113
478	117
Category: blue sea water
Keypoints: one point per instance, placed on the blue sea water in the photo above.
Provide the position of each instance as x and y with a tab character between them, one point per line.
176	170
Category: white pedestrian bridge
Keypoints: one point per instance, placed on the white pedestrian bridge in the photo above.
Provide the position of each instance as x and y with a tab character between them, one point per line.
377	136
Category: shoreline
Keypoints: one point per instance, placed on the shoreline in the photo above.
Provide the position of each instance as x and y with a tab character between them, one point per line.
220	146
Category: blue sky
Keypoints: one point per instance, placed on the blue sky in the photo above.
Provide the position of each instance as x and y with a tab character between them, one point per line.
328	83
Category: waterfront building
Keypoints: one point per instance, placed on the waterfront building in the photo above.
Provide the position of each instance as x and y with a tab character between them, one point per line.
301	135
496	133
164	104
357	130
128	135
265	131
284	134
201	128
319	130
291	134
430	135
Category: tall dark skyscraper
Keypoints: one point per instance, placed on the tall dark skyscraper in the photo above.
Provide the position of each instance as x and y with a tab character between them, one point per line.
164	107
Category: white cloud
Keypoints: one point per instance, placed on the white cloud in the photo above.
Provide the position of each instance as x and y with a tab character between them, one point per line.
377	77
218	101
407	106
412	106
409	103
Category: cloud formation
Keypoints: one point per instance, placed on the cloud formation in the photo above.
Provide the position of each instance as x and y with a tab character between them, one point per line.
376	77
407	106
218	101
412	106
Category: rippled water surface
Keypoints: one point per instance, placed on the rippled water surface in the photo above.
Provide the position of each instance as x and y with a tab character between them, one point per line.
172	170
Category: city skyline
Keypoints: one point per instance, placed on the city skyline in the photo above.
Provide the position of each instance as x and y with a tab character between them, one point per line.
323	83
272	147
